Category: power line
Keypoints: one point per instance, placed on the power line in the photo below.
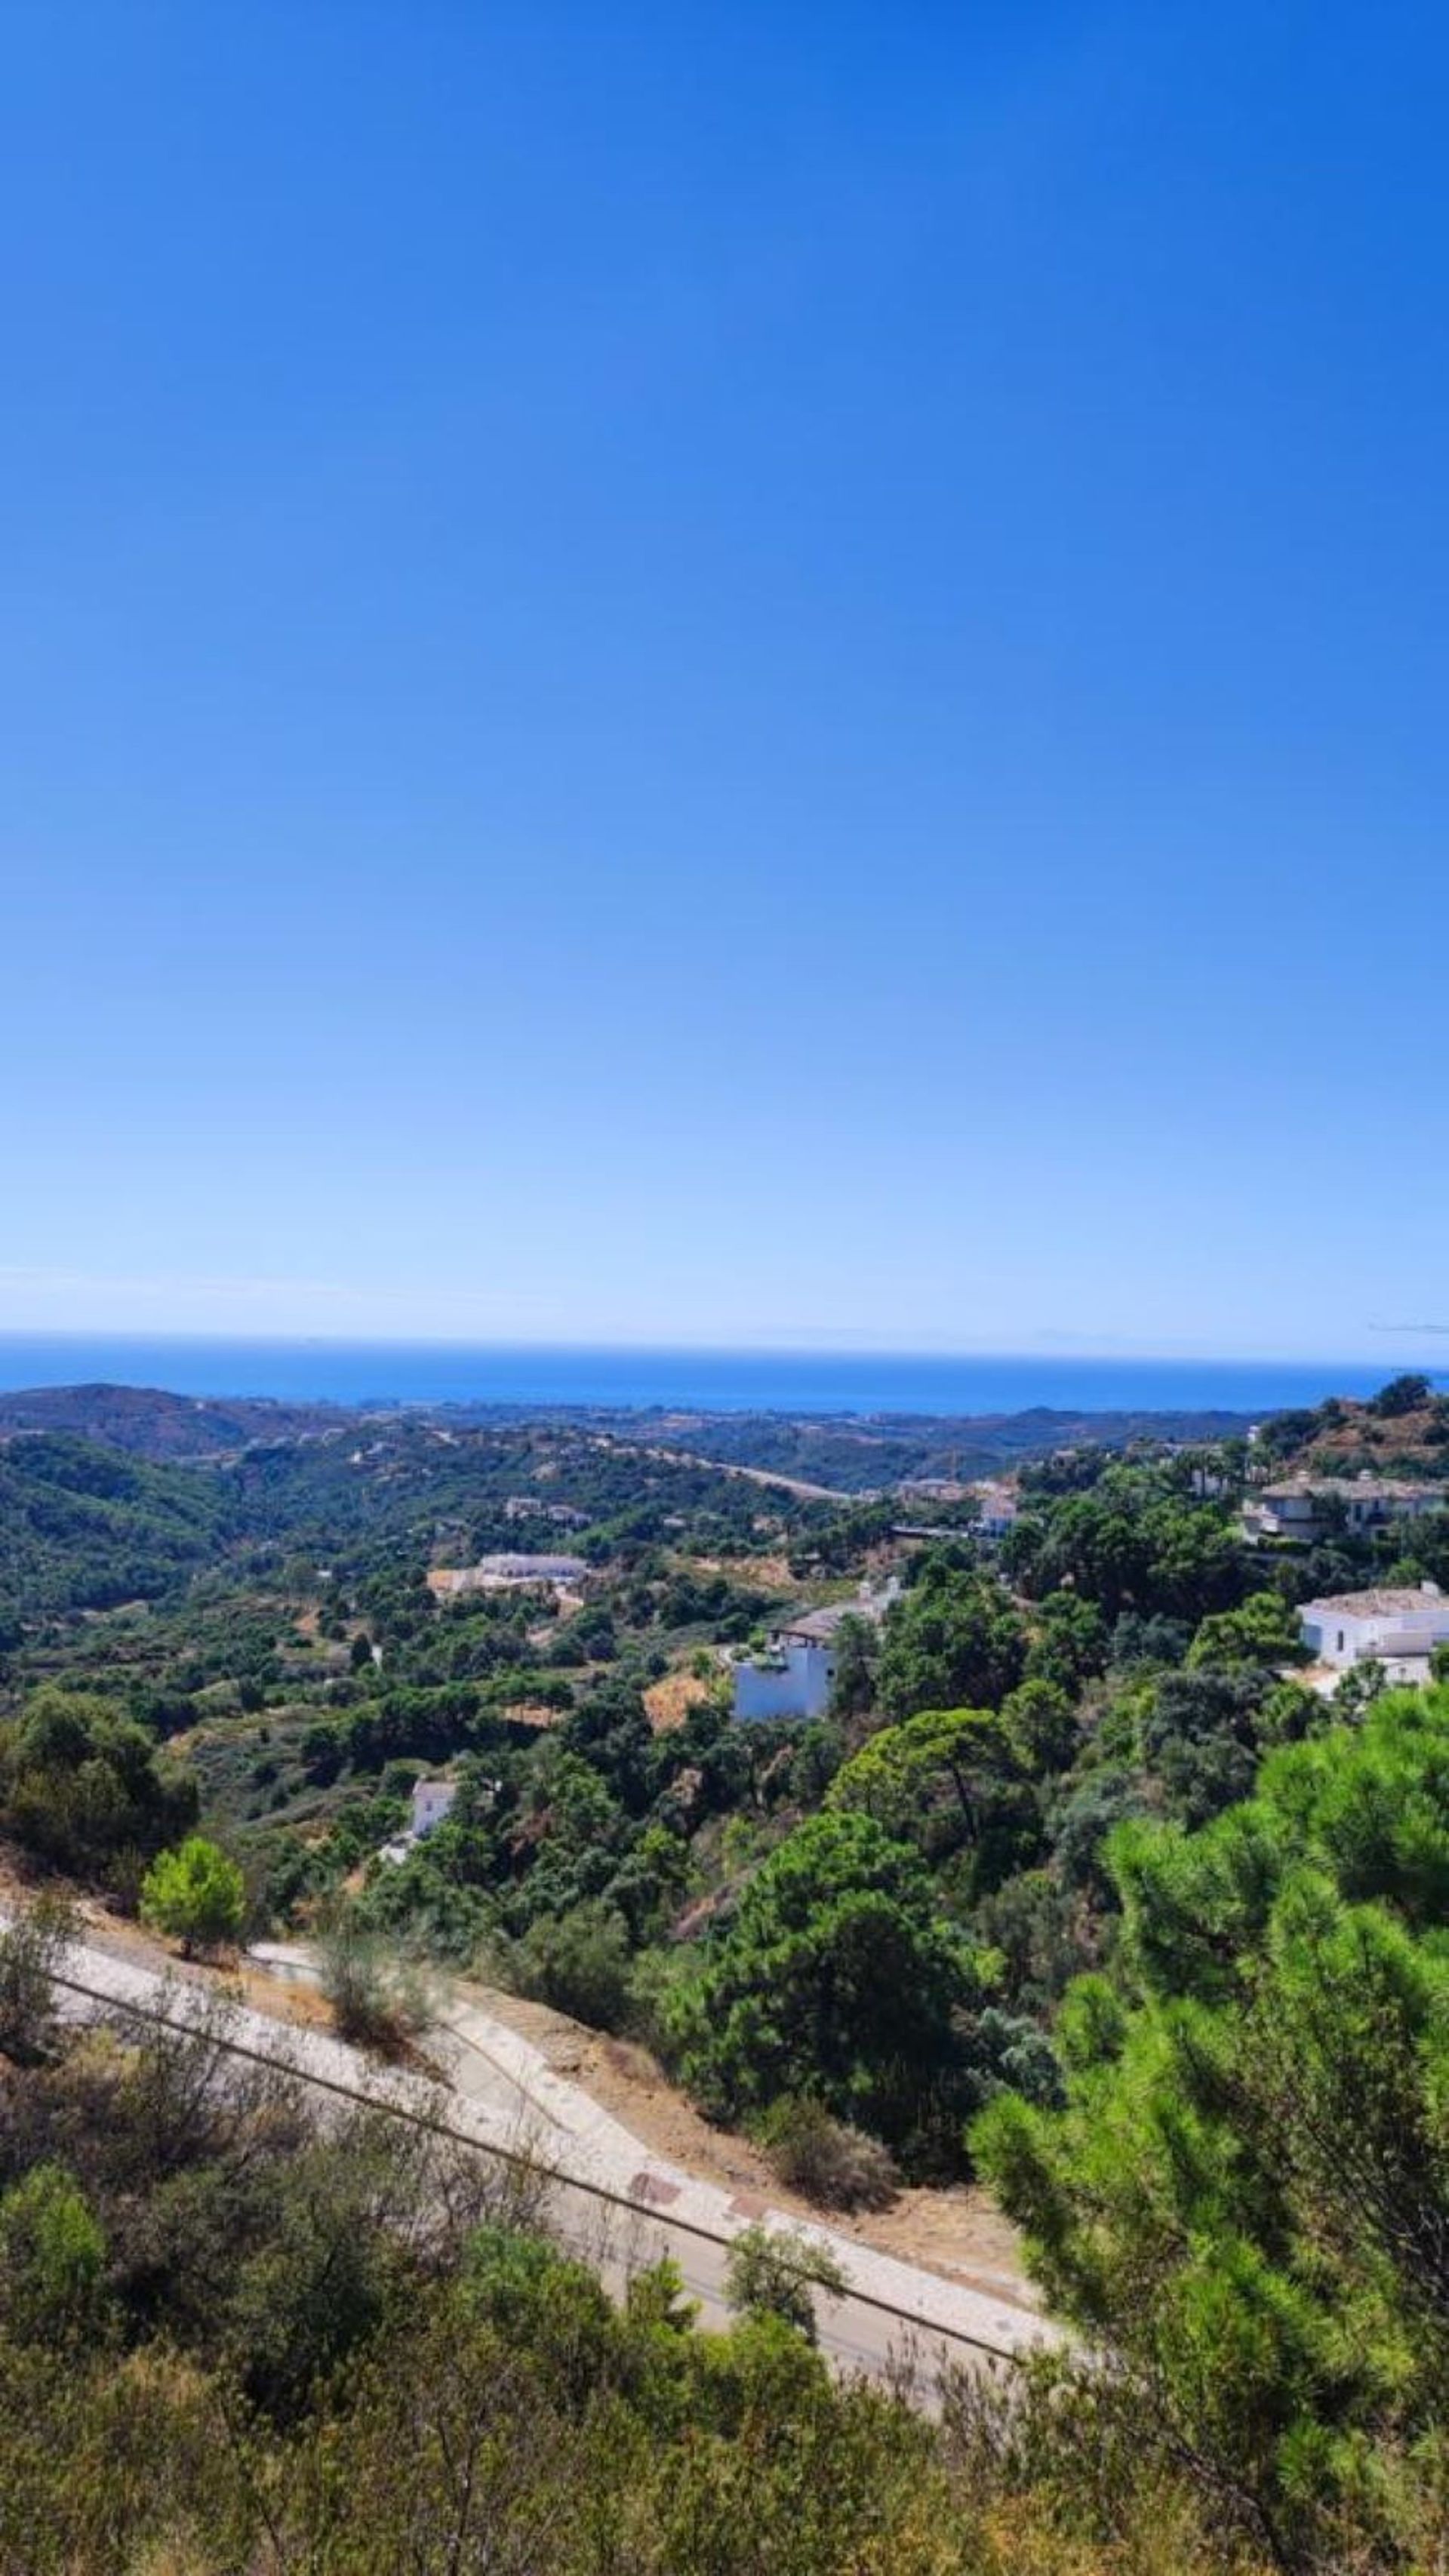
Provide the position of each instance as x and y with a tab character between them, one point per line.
438	2127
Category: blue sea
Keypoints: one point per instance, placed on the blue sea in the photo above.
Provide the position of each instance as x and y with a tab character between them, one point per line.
719	1381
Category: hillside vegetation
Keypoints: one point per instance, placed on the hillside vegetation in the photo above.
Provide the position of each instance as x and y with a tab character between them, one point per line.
1075	1884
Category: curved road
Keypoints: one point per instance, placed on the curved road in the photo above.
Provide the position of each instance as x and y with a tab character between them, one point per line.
608	2197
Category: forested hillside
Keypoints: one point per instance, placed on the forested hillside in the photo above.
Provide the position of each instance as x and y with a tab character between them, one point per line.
1076	1884
82	1527
868	1920
1404	1428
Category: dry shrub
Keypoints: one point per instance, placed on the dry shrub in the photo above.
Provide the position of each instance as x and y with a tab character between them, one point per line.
826	2160
379	2000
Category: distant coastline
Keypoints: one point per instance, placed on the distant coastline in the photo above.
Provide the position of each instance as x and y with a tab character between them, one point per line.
749	1381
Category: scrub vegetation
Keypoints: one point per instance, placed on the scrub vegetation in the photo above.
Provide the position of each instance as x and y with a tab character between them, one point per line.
1077	1885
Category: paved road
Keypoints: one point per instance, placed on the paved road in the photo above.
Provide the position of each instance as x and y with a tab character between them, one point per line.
493	2067
607	2197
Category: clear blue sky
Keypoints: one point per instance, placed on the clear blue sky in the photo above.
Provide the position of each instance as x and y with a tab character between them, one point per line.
709	672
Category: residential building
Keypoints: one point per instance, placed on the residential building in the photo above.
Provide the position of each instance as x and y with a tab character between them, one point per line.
1302	1509
508	1571
795	1675
999	1508
1391	1626
432	1800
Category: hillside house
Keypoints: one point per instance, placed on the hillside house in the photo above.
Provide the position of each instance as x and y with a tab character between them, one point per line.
536	1507
509	1571
999	1510
432	1801
795	1675
1398	1626
1302	1509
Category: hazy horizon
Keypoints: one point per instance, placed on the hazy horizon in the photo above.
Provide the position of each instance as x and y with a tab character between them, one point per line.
837	1381
1427	1354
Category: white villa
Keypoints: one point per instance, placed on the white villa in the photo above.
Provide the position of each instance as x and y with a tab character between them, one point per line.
795	1675
432	1800
507	1571
1390	1627
1301	1508
999	1511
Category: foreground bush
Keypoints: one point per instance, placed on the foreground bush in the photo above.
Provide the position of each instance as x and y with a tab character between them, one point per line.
825	2159
194	1895
578	1962
33	1948
379	1999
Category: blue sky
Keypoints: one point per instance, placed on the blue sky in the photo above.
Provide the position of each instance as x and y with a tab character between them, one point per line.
726	673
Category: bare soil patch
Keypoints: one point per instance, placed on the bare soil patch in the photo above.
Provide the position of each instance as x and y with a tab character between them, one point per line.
667	1702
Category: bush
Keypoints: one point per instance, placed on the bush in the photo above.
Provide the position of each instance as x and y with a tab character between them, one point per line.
52	2256
775	2276
80	1784
580	1963
379	1999
825	2159
194	1895
31	1953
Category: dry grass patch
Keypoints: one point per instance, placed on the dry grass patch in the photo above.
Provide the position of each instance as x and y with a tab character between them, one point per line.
667	1703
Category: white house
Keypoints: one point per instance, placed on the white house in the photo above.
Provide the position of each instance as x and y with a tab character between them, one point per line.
432	1800
795	1675
1302	1508
1349	1628
510	1569
999	1510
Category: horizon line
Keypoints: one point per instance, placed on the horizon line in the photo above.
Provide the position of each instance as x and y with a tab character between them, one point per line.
925	1353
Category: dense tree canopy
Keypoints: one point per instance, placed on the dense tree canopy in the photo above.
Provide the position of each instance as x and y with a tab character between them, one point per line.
837	1976
82	1785
1248	2192
956	1640
1131	1544
947	1780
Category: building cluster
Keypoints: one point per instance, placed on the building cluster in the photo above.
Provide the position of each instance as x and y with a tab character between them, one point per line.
1301	1510
509	1571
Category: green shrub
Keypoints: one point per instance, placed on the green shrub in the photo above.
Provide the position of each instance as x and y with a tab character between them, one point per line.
52	2257
194	1895
776	2273
32	1950
580	1963
380	1999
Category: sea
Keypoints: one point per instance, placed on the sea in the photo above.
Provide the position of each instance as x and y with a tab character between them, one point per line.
723	1381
